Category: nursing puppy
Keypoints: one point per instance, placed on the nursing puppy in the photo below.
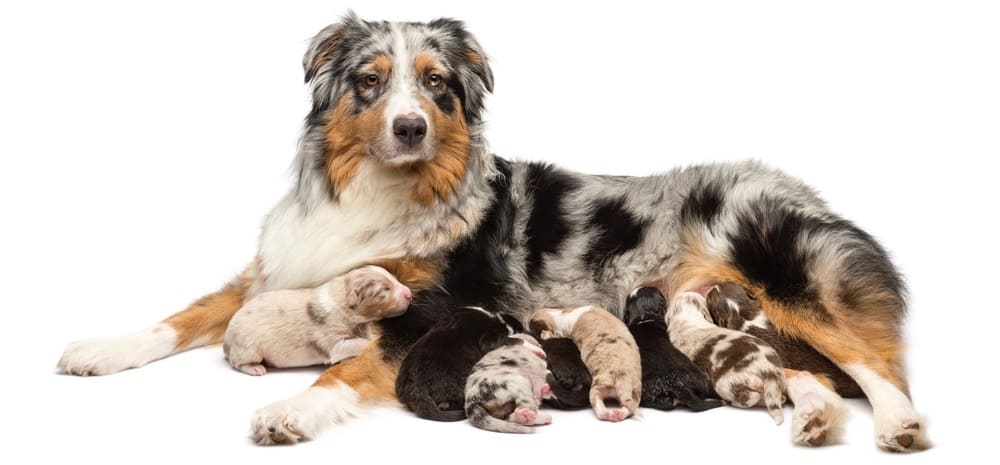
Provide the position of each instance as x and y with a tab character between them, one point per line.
324	325
607	349
669	378
746	370
506	388
568	377
432	377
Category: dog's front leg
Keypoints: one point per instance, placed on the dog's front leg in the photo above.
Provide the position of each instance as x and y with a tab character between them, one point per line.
337	396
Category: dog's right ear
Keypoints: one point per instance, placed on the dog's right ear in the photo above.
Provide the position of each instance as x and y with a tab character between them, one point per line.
324	46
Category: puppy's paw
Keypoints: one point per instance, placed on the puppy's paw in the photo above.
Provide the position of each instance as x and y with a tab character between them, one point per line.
255	369
817	421
304	416
523	416
107	355
613	414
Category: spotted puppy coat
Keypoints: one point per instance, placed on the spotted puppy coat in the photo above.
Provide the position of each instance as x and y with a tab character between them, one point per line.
746	371
323	325
506	388
669	378
607	349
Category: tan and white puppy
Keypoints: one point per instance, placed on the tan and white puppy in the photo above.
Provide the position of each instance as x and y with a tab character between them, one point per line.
608	350
324	325
746	371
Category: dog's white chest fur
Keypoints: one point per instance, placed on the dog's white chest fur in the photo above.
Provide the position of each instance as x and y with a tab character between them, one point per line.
303	245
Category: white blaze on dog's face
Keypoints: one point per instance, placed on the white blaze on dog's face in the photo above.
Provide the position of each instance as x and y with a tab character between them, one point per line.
402	94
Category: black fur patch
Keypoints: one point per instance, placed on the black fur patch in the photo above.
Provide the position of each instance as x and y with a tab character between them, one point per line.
703	204
547	226
618	231
476	274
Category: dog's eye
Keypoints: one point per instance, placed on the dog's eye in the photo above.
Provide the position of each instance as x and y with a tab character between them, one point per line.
371	80
434	80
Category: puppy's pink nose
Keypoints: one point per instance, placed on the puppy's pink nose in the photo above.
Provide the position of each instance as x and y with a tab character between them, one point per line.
407	295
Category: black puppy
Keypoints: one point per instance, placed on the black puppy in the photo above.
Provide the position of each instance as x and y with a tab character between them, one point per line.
568	377
432	377
669	378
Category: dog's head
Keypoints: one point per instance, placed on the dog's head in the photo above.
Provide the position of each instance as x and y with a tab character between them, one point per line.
405	95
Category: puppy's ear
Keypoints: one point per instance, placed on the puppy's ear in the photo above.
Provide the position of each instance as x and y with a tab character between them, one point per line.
474	76
718	309
354	297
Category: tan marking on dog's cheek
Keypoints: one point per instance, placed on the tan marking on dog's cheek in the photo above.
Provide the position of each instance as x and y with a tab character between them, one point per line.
441	177
347	138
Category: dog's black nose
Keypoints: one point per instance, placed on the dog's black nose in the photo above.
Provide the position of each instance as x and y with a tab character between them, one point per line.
409	129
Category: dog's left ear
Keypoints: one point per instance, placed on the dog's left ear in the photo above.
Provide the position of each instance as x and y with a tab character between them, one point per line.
474	76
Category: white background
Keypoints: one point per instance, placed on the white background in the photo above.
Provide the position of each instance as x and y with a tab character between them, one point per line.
141	144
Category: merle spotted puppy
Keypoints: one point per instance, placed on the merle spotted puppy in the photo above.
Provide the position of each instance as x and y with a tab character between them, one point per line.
669	378
506	388
568	377
432	377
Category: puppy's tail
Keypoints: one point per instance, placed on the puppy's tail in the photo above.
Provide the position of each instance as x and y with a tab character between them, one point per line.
481	419
773	399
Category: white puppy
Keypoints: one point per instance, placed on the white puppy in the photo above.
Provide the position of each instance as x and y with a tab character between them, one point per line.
324	325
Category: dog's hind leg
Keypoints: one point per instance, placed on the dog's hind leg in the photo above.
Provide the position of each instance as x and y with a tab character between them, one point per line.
203	322
338	395
820	414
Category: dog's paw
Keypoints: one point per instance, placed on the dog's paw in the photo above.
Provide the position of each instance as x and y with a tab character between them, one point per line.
817	421
254	369
613	414
523	416
903	434
104	356
304	416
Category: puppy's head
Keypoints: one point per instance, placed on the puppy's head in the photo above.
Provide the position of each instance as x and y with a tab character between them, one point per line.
401	94
645	304
543	323
373	293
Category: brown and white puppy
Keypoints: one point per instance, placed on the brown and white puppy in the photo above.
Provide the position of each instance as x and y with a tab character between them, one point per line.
608	350
813	381
324	325
746	371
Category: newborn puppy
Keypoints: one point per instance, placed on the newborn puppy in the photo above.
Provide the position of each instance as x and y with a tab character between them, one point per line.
568	377
669	378
295	328
431	380
506	387
731	306
746	370
608	350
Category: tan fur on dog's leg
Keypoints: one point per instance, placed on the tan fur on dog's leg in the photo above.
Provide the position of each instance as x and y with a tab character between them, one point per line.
335	397
203	322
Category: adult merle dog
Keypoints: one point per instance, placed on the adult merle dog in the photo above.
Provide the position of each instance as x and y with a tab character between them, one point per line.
393	169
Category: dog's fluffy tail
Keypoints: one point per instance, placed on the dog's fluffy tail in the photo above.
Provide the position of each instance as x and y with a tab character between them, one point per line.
481	419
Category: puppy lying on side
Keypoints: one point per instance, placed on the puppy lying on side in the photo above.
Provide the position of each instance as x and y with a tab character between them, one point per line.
746	370
303	327
669	378
431	380
568	377
506	387
608	350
